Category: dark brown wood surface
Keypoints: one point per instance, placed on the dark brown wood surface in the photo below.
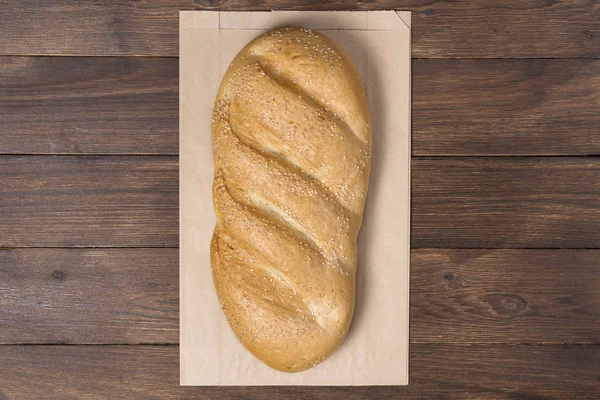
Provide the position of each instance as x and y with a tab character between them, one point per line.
466	202
506	107
463	28
88	105
438	371
504	296
505	264
108	105
110	296
89	296
508	202
88	201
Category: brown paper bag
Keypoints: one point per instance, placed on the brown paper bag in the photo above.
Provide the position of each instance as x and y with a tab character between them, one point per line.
375	351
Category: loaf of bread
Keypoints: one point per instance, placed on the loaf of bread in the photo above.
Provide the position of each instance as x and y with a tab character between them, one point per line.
292	148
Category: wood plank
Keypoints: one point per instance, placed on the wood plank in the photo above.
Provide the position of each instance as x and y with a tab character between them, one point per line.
437	371
506	202
505	296
89	296
506	107
98	28
88	201
456	202
88	105
461	28
128	296
82	105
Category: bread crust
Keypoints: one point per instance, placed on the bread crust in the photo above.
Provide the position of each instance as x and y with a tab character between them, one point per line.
292	149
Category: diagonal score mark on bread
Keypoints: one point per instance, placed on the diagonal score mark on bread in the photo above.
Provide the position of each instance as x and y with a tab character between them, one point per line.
263	259
336	160
292	84
282	297
280	154
276	216
291	140
266	184
318	68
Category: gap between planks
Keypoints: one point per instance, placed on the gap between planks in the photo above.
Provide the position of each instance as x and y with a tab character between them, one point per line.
420	156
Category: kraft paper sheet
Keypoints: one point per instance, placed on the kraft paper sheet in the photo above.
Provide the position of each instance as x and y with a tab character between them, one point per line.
375	351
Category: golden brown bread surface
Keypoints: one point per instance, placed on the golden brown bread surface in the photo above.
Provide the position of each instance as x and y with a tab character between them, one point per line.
292	146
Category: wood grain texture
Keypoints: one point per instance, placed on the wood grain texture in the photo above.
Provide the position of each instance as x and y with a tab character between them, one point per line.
89	296
505	107
74	105
440	29
437	372
505	296
505	202
88	201
98	28
475	313
128	296
523	202
82	105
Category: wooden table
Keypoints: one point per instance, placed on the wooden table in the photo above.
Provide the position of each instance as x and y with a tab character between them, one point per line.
505	273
